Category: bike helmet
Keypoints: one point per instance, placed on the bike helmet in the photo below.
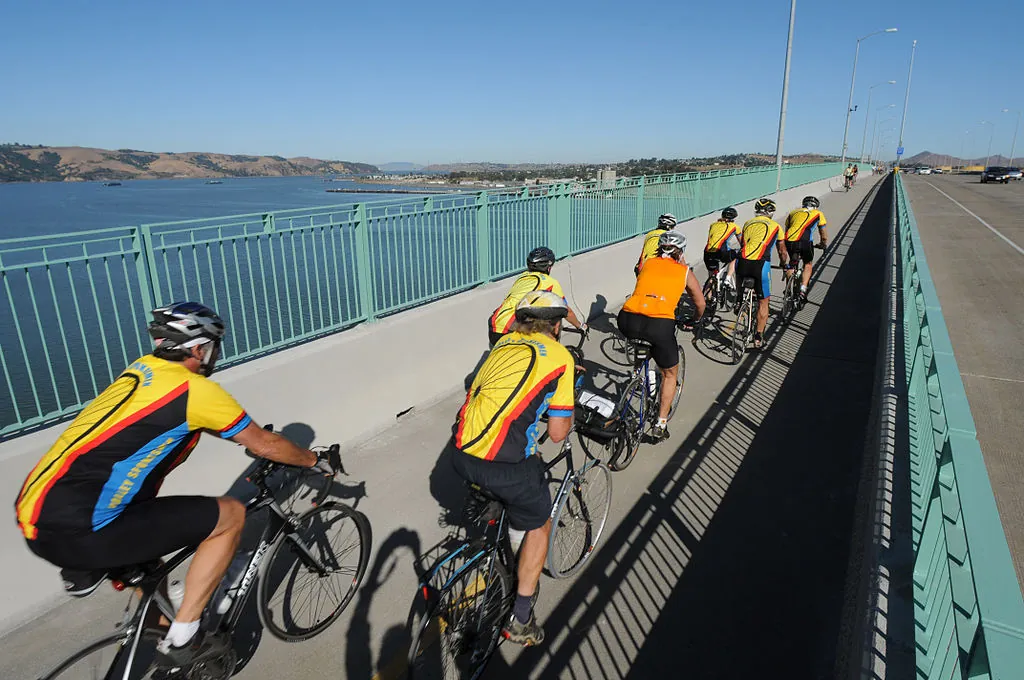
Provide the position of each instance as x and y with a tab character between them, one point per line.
764	205
183	325
811	202
667	221
729	214
541	304
540	259
672	239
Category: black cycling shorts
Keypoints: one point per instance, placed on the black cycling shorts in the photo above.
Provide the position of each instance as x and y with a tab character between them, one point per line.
661	333
715	259
143	532
804	249
760	271
522	487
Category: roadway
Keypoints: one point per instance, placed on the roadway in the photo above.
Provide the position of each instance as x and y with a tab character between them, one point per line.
727	546
976	263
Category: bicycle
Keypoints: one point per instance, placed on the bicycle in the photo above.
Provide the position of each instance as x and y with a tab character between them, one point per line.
639	404
847	183
469	592
716	293
294	552
746	320
792	300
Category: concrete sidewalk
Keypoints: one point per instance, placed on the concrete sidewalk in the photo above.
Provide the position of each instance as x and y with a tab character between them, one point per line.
726	547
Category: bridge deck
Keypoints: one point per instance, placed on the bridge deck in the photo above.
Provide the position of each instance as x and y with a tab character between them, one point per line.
727	546
979	279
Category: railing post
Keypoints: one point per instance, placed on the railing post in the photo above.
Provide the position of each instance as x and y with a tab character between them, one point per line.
483	238
146	263
268	223
639	206
364	272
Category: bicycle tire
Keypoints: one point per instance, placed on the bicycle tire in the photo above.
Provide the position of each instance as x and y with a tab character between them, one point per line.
740	332
293	568
788	303
680	382
85	665
711	307
628	443
439	648
575	511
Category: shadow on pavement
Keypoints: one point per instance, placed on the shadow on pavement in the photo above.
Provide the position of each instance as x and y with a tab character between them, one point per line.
733	564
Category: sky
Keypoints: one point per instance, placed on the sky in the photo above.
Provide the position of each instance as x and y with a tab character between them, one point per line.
452	81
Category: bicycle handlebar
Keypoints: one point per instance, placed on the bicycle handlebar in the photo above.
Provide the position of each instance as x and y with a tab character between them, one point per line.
266	467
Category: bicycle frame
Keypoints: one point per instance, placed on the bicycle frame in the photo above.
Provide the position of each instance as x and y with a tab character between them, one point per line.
148	583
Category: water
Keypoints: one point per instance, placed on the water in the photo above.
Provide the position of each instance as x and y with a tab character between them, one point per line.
32	209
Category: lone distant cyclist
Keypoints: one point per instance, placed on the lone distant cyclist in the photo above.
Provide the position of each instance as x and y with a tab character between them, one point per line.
91	503
650	247
494	441
537	277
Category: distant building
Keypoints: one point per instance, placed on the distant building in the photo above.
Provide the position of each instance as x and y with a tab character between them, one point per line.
605	179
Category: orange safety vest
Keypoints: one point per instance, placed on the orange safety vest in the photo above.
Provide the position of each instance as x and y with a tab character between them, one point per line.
659	286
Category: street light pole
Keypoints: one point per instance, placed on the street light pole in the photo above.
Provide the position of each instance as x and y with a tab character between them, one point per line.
906	100
874	133
785	96
991	135
1013	147
867	117
853	82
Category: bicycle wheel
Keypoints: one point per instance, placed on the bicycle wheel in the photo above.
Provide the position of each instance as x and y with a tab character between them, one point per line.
680	381
788	300
740	332
106	658
632	409
337	537
461	630
578	520
711	306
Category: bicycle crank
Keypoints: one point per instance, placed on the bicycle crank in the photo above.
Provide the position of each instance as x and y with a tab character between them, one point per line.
215	669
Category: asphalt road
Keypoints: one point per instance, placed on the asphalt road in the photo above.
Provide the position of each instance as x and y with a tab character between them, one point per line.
979	276
727	546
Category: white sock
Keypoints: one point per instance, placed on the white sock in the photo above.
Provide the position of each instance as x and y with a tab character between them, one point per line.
662	422
179	633
803	288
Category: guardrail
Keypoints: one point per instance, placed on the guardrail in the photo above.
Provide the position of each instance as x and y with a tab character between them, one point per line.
78	302
968	608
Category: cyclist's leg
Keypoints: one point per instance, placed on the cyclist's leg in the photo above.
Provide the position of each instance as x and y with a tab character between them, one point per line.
212	559
665	353
763	289
808	257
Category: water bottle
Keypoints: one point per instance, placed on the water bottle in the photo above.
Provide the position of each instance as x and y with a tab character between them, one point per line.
232	579
176	593
515	537
652	385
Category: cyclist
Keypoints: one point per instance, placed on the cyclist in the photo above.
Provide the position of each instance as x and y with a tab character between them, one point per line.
856	171
758	235
494	444
536	277
801	225
665	222
723	244
650	314
91	505
848	176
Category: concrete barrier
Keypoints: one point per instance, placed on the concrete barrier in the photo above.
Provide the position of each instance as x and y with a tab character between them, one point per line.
346	388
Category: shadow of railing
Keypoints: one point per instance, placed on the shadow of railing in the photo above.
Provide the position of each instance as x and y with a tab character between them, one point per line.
732	564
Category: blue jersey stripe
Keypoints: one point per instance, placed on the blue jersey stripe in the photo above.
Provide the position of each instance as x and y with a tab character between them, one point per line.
128	475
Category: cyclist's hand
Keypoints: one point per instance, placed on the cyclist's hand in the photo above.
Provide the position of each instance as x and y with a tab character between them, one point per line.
585	329
328	461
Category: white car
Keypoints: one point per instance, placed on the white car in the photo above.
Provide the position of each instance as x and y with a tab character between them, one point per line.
924	171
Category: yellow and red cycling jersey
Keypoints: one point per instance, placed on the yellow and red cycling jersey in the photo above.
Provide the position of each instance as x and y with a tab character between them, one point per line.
659	286
119	449
527	282
719	233
802	223
757	238
524	377
650	248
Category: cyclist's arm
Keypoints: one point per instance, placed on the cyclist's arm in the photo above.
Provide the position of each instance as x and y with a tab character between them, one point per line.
694	289
272	446
783	253
558	428
573	319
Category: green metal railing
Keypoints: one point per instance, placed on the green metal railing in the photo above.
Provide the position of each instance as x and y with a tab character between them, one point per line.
74	306
968	609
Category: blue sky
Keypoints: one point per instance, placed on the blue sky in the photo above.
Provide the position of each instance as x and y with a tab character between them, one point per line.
451	81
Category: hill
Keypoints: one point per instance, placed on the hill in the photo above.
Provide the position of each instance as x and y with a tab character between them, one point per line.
22	163
931	159
400	166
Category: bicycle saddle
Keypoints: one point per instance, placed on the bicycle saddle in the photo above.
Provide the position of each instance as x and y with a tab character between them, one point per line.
748	282
481	505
